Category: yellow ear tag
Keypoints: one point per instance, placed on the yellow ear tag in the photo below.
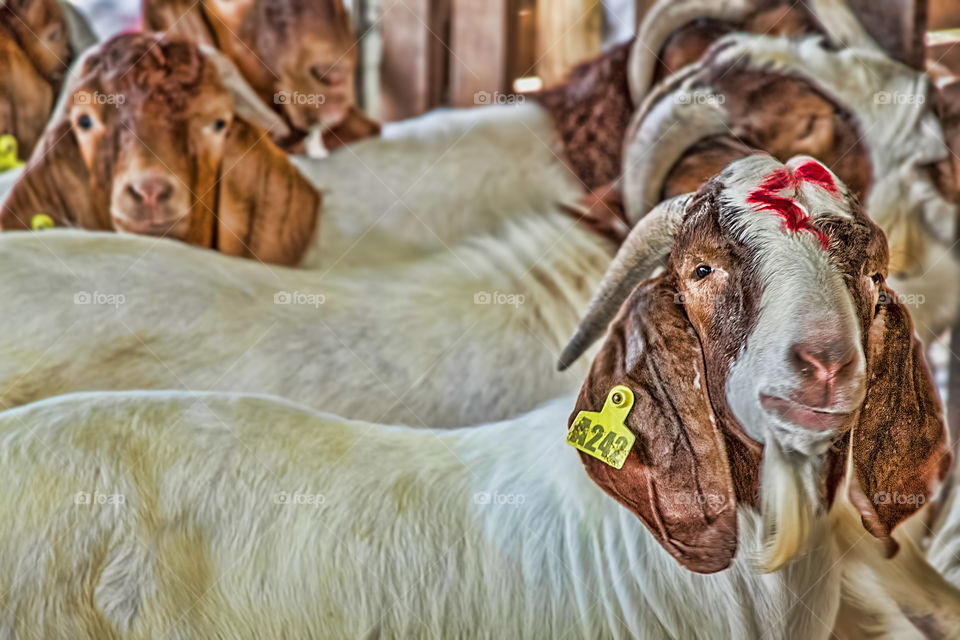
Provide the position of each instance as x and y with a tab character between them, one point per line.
8	153
605	435
41	221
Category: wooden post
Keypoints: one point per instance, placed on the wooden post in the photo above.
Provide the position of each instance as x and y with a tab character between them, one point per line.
568	32
413	60
479	46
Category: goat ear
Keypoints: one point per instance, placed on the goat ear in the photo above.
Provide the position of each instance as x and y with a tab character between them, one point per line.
182	19
899	446
676	478
267	209
55	183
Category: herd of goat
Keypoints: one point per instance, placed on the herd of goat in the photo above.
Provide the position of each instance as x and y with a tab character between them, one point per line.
727	242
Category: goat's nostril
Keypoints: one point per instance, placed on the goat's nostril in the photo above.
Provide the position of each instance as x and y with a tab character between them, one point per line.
151	191
823	361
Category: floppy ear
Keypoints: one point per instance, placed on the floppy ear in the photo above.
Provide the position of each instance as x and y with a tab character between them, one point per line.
178	18
267	209
676	477
55	183
899	446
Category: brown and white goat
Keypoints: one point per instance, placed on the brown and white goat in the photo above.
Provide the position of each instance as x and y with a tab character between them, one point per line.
299	55
38	41
148	141
870	119
246	516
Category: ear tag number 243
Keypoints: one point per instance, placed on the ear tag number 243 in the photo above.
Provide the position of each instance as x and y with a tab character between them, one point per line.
604	434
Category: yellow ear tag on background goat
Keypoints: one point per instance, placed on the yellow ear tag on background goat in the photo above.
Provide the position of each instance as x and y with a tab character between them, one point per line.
41	222
605	435
9	153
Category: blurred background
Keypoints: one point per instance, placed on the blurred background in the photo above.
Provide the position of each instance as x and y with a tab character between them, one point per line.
417	55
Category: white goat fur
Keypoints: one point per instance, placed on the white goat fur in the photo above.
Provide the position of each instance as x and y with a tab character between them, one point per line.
395	347
401	545
434	180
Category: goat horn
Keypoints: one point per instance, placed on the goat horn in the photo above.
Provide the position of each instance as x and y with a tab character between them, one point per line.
246	102
639	256
677	116
665	17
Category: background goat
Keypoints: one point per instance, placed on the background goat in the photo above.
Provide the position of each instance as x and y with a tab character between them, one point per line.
738	451
38	41
300	57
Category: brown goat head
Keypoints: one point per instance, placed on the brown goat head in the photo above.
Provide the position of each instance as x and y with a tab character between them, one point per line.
299	55
150	142
34	56
769	342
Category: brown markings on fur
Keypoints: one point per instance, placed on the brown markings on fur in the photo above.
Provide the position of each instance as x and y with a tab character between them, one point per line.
666	332
688	43
701	162
246	199
31	69
293	46
602	212
591	111
676	478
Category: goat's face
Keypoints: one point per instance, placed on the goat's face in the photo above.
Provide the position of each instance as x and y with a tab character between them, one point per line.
773	273
770	330
152	135
300	55
161	147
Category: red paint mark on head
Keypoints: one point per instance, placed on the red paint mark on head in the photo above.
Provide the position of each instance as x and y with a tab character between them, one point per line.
794	218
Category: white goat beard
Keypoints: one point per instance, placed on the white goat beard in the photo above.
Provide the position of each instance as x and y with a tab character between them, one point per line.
789	504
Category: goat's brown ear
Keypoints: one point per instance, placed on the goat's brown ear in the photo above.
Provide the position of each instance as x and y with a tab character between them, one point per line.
899	446
55	183
676	477
178	18
267	210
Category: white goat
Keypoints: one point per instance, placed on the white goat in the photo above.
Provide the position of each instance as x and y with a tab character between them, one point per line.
146	514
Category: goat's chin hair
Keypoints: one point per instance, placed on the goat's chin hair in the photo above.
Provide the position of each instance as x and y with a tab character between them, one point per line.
789	504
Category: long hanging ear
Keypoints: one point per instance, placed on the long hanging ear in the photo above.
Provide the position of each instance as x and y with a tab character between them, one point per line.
899	446
55	184
267	209
676	477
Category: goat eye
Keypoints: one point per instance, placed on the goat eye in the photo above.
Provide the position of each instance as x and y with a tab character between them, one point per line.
702	272
877	278
219	125
85	122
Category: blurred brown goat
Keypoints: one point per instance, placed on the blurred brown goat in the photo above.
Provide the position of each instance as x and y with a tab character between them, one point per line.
299	55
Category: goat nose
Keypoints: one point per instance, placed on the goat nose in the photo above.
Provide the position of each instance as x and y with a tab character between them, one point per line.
152	190
332	76
823	364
